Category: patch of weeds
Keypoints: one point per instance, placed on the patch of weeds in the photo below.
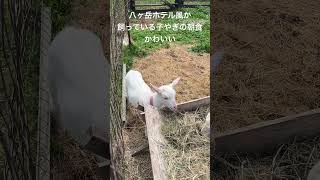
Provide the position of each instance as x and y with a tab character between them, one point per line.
130	52
201	48
199	39
60	10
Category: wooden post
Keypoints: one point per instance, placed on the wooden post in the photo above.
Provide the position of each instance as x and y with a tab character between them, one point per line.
156	142
132	5
179	3
43	147
124	105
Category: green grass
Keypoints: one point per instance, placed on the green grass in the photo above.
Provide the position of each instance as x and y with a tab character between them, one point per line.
199	39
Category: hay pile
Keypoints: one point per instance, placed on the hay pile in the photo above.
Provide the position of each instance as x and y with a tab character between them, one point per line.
164	65
272	64
138	167
159	68
187	154
70	162
291	161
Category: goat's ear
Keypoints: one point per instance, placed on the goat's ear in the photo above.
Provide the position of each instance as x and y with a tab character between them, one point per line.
155	88
175	82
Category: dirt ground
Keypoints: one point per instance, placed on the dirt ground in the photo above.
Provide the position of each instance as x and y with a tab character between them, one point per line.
271	69
164	65
271	66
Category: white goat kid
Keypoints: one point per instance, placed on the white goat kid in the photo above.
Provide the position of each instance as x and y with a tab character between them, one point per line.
139	93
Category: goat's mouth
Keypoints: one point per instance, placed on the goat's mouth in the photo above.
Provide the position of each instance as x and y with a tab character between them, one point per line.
174	109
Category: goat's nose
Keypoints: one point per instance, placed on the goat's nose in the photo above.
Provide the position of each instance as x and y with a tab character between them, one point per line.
174	108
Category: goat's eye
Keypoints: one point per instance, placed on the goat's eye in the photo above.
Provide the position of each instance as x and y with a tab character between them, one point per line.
166	98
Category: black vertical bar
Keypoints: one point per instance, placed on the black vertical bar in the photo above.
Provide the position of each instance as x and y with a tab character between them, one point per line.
179	3
132	5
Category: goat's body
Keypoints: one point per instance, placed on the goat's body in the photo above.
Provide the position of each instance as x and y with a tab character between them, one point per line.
138	92
78	83
314	173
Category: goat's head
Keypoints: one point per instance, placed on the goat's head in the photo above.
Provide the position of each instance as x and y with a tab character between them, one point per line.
167	94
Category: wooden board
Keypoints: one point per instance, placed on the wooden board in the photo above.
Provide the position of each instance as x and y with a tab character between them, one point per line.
190	105
156	142
43	147
139	150
124	95
267	136
193	104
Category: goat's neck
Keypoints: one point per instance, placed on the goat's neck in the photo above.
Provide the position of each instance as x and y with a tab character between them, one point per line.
156	100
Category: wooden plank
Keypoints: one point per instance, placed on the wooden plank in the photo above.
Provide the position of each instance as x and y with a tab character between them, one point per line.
124	95
43	147
139	150
195	6
267	136
189	105
156	142
137	5
152	10
193	104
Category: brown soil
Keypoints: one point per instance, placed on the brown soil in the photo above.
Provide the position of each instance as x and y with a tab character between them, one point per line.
164	65
271	66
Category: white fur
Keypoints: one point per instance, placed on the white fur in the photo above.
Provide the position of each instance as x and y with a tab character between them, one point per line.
206	126
78	82
314	173
139	93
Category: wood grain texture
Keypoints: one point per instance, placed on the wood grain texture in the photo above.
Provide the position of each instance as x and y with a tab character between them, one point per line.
187	106
43	148
156	142
124	94
193	104
139	150
267	136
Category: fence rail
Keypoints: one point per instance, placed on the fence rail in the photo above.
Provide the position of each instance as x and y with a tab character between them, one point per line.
165	5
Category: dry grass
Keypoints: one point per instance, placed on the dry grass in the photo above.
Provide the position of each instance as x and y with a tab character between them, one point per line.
164	65
159	68
187	154
291	161
138	167
71	162
272	64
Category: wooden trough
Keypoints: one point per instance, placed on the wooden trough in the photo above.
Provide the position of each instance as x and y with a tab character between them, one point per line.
155	138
